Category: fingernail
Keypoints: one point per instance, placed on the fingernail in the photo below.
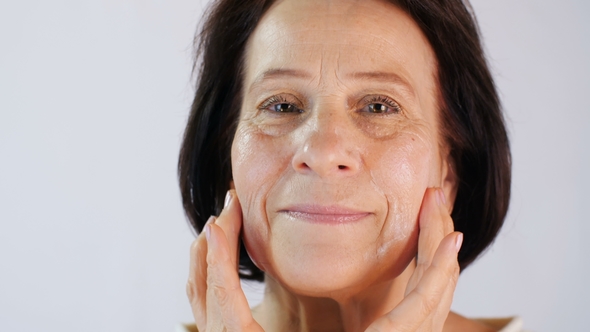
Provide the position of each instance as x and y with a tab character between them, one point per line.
441	199
228	198
458	242
208	230
210	220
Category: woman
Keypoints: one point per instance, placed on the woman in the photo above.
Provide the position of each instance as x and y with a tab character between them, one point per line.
367	159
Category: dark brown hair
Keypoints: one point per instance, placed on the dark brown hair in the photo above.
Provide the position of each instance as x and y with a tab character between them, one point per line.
472	121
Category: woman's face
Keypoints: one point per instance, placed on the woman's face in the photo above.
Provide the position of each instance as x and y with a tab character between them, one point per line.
337	141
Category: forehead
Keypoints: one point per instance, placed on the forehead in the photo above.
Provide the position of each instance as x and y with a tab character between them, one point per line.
341	37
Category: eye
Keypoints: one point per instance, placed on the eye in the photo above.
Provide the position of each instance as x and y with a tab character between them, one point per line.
380	105
280	104
379	108
285	108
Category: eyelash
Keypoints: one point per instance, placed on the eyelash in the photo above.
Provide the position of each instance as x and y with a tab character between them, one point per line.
279	100
388	102
370	100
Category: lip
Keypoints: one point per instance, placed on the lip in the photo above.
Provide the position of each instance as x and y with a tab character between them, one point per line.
322	214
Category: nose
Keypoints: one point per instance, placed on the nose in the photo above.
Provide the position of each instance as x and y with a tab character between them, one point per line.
328	148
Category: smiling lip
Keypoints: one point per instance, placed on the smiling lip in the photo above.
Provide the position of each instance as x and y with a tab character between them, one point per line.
324	214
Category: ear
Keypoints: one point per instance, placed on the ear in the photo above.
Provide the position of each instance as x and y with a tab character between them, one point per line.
231	185
449	180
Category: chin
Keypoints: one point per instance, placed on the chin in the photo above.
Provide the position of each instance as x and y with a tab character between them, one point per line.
340	282
328	264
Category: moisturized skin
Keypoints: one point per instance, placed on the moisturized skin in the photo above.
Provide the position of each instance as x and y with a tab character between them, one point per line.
337	142
335	162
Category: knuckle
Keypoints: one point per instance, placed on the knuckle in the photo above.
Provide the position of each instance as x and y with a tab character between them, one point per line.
220	288
448	271
452	272
191	290
428	302
222	294
217	259
448	274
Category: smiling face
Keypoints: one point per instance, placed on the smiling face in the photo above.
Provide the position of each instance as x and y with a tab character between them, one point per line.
337	141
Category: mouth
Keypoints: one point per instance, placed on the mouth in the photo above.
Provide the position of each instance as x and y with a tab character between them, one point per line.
319	214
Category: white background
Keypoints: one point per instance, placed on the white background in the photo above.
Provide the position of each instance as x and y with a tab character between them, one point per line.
94	96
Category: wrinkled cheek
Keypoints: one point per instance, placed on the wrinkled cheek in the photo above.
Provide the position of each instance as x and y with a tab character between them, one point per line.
255	166
402	228
251	161
399	243
406	178
255	243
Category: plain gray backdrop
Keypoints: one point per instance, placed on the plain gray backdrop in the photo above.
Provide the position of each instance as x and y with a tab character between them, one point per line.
94	96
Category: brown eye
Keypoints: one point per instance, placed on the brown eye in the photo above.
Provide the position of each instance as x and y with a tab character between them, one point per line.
281	104
381	105
286	108
379	108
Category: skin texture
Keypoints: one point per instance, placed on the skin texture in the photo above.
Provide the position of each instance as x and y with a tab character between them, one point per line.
335	151
335	160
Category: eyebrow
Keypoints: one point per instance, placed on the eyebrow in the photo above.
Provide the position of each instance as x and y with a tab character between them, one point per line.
381	76
385	77
275	73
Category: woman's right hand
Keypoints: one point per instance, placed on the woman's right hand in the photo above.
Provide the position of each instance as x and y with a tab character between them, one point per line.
213	288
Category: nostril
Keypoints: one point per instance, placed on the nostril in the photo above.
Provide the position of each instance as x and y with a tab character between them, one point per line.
342	167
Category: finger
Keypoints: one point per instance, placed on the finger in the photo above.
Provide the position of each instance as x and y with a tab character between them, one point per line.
450	264
435	224
438	317
444	307
431	296
196	286
230	221
445	212
432	232
224	293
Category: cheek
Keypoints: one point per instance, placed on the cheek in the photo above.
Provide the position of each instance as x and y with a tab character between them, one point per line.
257	163
402	174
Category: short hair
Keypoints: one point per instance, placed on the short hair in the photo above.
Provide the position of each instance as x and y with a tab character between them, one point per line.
472	123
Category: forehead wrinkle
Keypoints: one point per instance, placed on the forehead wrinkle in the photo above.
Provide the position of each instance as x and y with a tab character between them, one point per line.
285	38
337	69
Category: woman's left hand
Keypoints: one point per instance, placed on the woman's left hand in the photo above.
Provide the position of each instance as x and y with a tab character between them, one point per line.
430	290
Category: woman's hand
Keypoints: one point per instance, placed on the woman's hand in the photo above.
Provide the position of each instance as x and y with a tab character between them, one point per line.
430	290
213	287
219	304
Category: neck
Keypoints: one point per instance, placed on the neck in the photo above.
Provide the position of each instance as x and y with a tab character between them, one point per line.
283	310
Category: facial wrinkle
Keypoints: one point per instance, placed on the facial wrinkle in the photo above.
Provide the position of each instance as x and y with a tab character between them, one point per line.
336	260
379	190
